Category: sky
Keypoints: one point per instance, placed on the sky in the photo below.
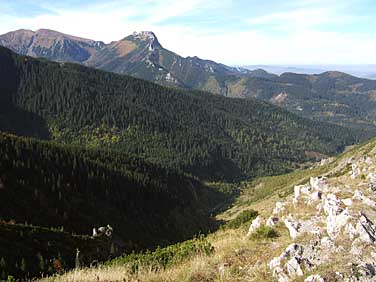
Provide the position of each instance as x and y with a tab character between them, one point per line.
233	32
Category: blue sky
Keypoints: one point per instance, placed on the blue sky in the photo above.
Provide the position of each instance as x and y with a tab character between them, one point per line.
237	32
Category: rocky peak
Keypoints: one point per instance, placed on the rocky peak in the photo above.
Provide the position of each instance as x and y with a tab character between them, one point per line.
146	36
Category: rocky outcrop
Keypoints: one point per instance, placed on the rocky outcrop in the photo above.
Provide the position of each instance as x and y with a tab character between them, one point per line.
256	223
335	226
290	263
293	226
366	229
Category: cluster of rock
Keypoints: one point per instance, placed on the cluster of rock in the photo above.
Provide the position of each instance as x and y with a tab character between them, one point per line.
338	227
106	231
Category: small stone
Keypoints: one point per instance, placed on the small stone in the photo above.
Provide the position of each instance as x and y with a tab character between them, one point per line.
347	202
222	268
272	221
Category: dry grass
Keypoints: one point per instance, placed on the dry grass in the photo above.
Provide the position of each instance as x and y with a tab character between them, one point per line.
244	260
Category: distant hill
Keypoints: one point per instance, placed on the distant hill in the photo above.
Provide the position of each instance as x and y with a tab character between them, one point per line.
362	71
340	99
206	135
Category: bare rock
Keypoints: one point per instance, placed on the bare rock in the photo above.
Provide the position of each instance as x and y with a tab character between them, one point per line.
358	195
366	229
355	171
327	244
289	264
362	272
372	187
256	223
372	177
314	196
272	221
331	205
296	193
350	230
335	223
347	202
314	278
357	247
319	183
281	275
293	266
293	226
279	207
368	161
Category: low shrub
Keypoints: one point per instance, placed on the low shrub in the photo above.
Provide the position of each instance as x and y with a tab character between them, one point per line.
264	232
242	218
164	257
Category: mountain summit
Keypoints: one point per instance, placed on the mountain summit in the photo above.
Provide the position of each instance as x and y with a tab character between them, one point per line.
50	44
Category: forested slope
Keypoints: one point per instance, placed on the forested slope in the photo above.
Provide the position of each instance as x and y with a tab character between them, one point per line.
209	136
73	190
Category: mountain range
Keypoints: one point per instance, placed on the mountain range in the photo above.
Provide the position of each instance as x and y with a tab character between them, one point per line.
128	153
330	96
209	136
87	147
363	71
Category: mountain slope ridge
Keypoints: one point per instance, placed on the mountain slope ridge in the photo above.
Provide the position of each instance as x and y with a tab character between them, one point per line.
330	96
209	136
